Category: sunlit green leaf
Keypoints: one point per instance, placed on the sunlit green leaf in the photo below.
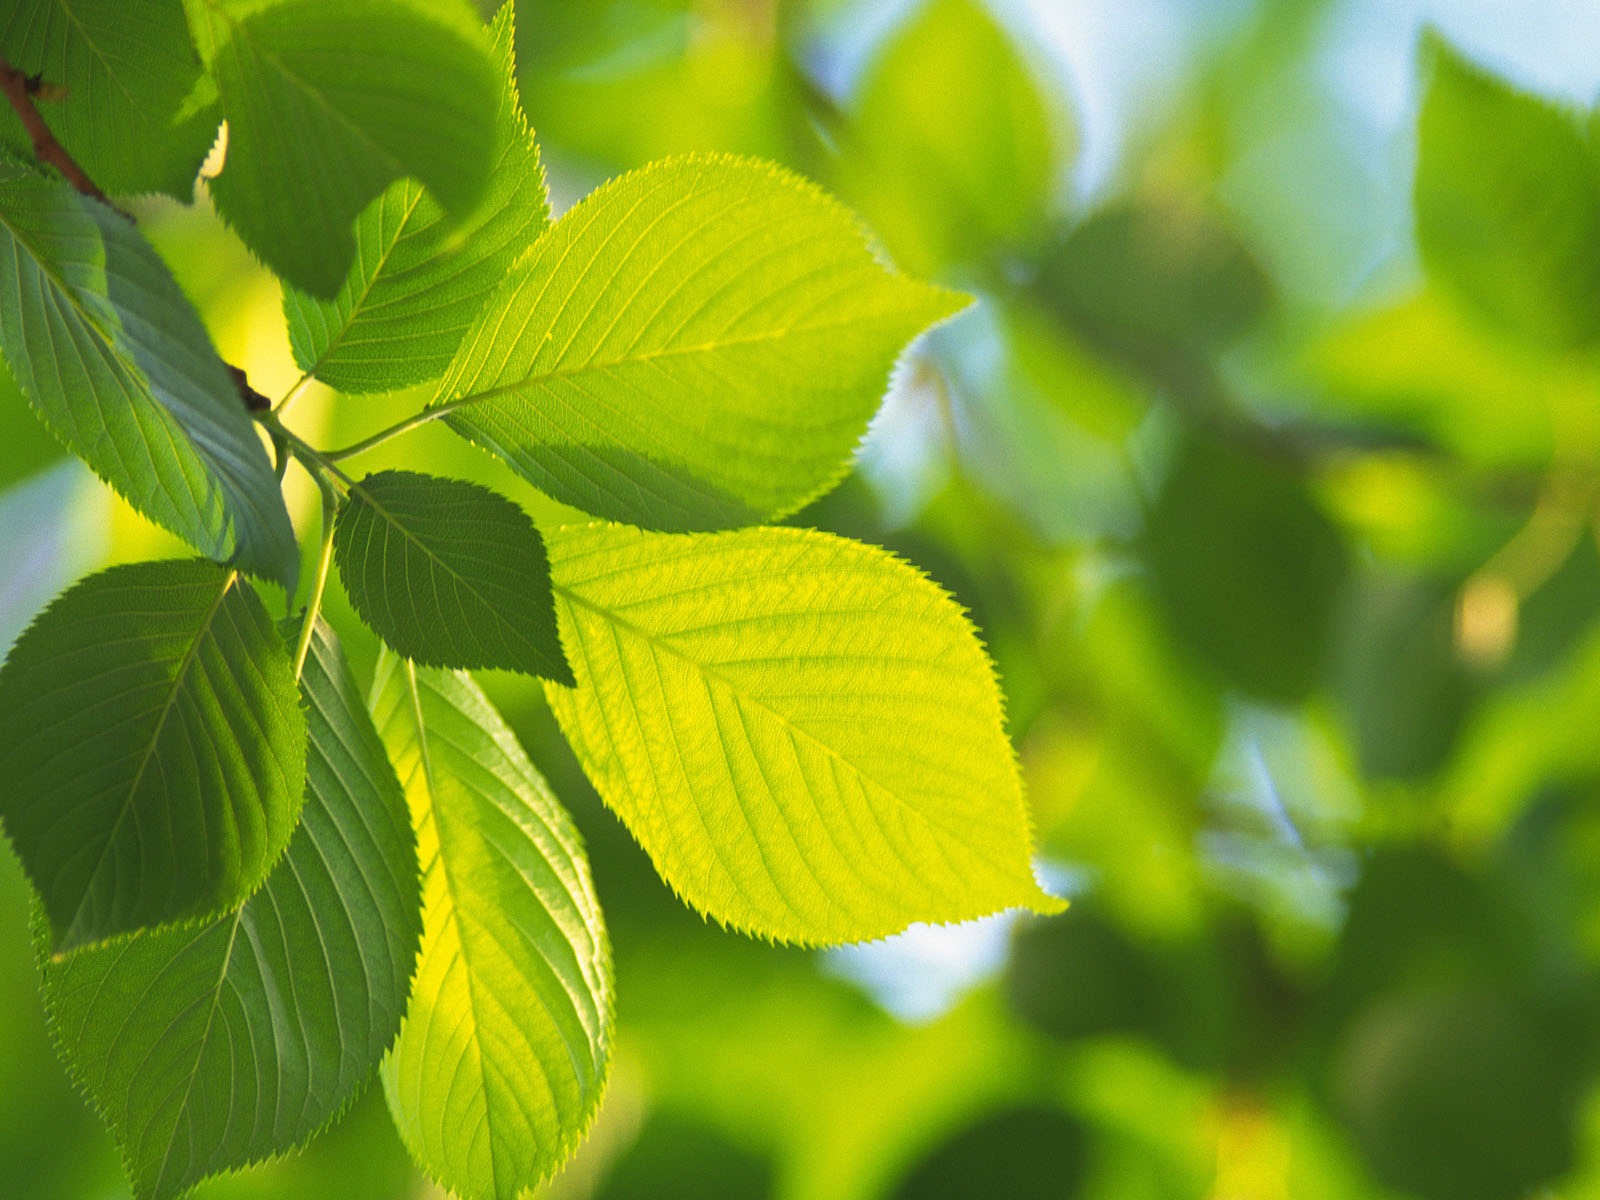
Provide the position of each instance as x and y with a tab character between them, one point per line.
503	1055
209	1047
1508	202
110	353
802	731
154	755
449	573
696	344
957	149
328	102
126	71
417	282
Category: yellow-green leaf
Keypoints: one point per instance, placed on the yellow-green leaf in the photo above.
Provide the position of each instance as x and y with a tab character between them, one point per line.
697	344
502	1058
803	732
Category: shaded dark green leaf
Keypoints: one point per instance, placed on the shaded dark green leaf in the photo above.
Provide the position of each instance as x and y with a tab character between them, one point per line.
209	1047
154	757
450	574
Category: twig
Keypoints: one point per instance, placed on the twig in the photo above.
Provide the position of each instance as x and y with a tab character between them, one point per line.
20	88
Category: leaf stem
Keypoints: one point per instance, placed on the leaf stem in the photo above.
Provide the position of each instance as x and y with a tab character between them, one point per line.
320	465
319	583
294	393
384	435
19	88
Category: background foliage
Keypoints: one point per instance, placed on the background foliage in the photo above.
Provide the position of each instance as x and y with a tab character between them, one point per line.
1268	465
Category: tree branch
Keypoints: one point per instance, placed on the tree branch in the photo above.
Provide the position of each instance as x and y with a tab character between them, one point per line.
20	88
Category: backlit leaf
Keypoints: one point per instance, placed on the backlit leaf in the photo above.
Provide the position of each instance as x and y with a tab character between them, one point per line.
449	573
957	150
154	755
802	731
210	1047
328	102
1508	203
417	283
696	344
502	1058
111	355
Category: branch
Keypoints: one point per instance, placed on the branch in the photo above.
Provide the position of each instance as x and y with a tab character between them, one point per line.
20	88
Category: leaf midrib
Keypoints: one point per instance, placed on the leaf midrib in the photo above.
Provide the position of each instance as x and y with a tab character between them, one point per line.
711	347
426	756
709	672
357	302
462	580
191	652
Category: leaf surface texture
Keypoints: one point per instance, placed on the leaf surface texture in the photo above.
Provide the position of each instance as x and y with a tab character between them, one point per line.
211	1047
696	344
802	731
127	70
417	283
110	353
155	748
327	103
449	574
502	1059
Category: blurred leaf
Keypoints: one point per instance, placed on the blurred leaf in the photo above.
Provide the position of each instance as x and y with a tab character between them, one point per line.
1077	976
503	1056
373	90
209	1047
1041	425
1421	367
802	731
957	149
1154	283
1420	924
127	71
1247	569
708	338
180	807
417	283
1456	1096
623	82
1404	687
141	395
1508	202
1021	1153
675	1157
449	574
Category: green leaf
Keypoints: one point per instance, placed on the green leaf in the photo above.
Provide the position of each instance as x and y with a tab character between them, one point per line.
502	1058
128	70
1247	568
1508	203
450	574
802	731
417	284
110	353
211	1047
957	150
696	344
1155	284
329	101
155	748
